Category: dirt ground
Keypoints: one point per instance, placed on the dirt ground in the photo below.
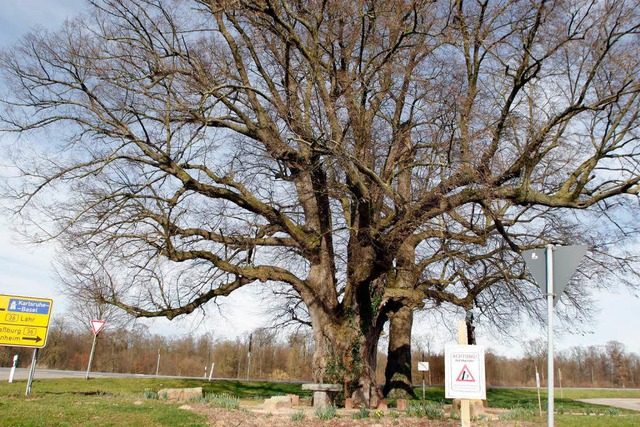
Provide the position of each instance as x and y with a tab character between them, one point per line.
255	416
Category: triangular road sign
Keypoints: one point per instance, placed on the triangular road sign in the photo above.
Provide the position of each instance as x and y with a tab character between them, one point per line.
565	262
97	326
465	375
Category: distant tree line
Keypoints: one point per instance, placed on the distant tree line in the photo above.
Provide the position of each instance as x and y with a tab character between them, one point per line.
288	357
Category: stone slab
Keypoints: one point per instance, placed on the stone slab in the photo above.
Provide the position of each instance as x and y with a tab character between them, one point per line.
181	393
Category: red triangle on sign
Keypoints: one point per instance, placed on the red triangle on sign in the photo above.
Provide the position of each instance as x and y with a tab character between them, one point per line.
97	326
465	375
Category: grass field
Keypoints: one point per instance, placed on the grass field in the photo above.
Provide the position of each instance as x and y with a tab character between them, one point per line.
126	402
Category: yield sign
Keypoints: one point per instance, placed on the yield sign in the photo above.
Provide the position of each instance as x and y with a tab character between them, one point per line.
465	375
97	326
565	262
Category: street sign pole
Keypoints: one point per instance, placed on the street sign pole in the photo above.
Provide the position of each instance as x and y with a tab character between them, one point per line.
552	281
32	371
93	349
550	314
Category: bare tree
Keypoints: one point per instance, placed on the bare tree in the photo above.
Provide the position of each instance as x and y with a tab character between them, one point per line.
206	145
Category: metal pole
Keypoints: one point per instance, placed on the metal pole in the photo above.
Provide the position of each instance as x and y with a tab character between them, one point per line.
158	364
93	348
32	371
550	313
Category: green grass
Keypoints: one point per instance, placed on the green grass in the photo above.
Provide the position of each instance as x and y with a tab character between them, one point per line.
245	390
73	409
78	402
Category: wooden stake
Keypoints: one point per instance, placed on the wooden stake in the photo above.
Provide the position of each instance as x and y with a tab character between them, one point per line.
465	410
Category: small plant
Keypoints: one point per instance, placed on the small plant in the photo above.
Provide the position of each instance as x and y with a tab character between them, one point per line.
150	394
519	413
377	414
612	411
326	413
419	410
225	401
362	414
298	416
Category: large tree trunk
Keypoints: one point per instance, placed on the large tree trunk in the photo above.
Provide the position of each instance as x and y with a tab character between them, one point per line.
398	370
346	355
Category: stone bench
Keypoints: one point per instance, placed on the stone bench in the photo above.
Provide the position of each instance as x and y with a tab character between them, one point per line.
323	394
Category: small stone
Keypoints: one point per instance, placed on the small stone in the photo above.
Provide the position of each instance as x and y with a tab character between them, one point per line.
277	402
295	399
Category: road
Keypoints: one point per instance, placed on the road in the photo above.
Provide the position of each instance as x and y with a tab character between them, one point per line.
23	374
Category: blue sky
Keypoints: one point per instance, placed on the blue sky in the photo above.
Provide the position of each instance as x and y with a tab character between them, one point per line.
25	270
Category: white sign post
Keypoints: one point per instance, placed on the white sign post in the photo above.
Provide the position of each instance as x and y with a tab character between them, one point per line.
464	374
423	367
552	279
96	327
13	368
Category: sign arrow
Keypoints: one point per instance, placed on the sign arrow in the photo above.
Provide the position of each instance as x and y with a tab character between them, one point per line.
36	339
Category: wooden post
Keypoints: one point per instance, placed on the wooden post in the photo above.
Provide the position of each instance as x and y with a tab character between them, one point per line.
538	387
465	410
560	381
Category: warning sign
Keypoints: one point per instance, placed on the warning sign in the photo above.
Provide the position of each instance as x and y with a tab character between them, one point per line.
464	372
465	375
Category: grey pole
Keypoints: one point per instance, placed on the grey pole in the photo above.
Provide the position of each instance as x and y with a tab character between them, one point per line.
158	364
93	348
32	371
550	313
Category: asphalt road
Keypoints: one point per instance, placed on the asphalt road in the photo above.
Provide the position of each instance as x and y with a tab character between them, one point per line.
23	374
